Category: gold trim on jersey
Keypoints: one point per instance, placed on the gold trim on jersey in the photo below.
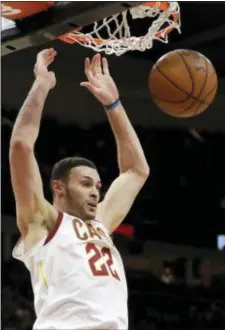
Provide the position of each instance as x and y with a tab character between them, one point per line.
42	274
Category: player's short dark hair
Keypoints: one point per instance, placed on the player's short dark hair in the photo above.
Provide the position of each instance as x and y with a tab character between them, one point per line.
62	168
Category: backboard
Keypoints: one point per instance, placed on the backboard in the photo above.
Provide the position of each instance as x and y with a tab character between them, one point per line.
57	19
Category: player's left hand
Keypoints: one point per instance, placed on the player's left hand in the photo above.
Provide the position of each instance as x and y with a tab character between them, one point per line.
100	83
44	59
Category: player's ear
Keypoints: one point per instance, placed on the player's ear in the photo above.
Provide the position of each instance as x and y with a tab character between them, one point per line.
58	187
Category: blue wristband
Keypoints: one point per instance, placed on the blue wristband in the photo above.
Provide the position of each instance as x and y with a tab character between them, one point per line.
112	106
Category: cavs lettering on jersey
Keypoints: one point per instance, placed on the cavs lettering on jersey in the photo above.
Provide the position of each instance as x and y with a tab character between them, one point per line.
77	277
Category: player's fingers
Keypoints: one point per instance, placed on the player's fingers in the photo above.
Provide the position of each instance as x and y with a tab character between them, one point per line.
87	64
46	52
49	52
42	53
91	78
52	54
52	51
49	60
87	68
105	66
93	89
89	73
47	56
96	64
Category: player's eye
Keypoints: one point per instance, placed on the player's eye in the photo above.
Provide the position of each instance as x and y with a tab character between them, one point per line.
86	183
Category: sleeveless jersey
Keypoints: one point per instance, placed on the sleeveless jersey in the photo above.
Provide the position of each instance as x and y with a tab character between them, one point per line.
77	277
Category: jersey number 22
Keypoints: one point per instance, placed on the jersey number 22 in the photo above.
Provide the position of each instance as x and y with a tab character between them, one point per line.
101	254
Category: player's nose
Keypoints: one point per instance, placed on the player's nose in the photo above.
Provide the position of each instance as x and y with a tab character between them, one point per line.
94	194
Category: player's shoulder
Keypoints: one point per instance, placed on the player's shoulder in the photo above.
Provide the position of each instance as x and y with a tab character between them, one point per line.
41	227
43	215
101	218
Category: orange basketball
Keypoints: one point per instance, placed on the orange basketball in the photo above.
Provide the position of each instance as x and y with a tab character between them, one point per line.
183	83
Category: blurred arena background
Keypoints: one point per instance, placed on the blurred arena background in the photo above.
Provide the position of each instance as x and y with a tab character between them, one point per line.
173	240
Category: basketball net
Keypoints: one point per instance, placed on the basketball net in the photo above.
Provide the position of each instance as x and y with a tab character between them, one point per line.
120	40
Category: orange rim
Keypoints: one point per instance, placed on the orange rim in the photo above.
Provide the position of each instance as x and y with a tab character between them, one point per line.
163	5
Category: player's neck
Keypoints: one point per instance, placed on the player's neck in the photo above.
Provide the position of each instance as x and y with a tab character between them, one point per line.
62	207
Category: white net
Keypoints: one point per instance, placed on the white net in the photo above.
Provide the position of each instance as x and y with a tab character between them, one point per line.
119	38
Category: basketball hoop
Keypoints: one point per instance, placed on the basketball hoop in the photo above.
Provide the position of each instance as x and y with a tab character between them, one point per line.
166	17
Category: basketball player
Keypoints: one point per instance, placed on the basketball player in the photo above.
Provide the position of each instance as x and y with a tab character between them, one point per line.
76	272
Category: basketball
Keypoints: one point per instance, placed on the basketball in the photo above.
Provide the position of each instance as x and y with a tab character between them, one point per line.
183	83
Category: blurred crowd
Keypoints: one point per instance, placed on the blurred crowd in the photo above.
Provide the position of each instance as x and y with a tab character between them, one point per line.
187	178
153	304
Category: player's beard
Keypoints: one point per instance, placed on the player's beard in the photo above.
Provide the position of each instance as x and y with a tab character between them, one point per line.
76	207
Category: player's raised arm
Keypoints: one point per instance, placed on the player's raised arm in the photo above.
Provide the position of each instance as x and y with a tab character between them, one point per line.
133	166
25	176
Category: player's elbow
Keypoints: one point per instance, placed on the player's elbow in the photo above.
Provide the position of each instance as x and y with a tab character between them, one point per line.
143	171
19	149
147	171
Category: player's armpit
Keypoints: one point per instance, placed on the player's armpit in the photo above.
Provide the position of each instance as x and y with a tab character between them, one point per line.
119	199
27	186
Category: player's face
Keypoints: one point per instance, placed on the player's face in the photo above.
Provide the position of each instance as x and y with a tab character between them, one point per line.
82	192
